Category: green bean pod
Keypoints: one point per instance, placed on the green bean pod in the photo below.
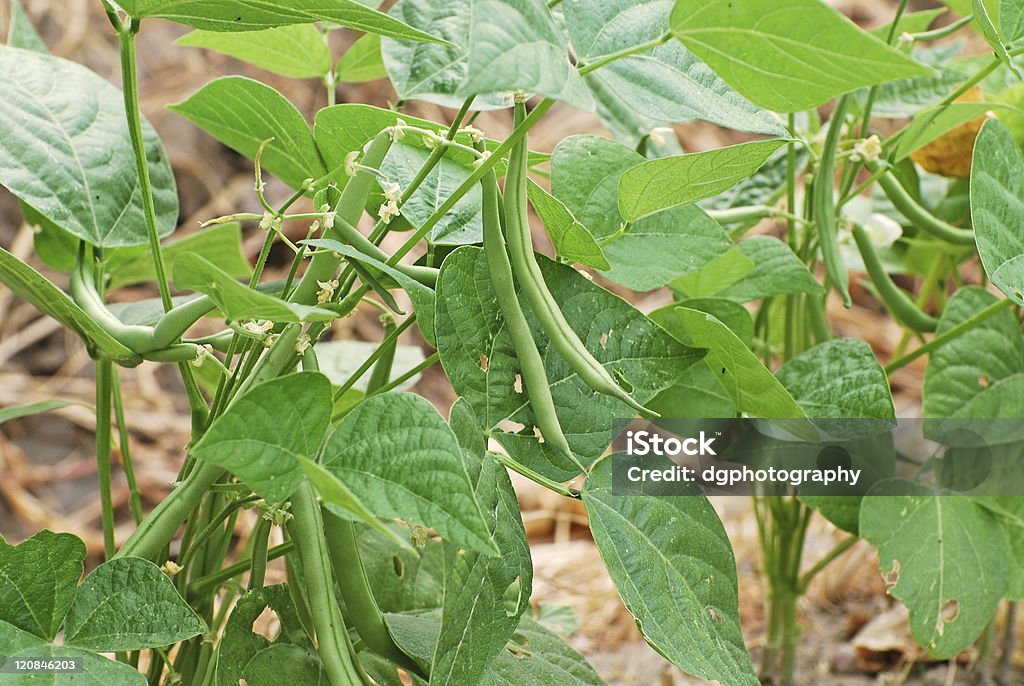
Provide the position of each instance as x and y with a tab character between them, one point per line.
898	302
824	204
912	210
531	364
526	269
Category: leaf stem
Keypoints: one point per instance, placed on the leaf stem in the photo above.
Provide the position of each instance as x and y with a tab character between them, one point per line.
421	367
950	335
124	442
829	558
219	577
104	383
389	340
585	69
553	486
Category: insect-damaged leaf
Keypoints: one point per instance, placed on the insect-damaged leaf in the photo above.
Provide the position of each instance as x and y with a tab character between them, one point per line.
38	578
16	644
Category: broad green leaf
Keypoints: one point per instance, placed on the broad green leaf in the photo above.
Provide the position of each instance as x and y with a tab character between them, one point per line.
397	453
732	314
21	33
402	580
992	35
221	245
776	271
238	302
905	97
535	655
422	297
944	556
673	566
38	578
294	51
262	435
663	85
514	45
751	386
673	181
571	240
129	604
1011	21
997	208
931	123
840	378
1009	510
797	56
337	497
717	275
286	664
242	113
240	645
985	362
253	15
463	224
35	288
66	152
662	248
481	363
29	409
763	187
362	61
476	623
16	644
433	72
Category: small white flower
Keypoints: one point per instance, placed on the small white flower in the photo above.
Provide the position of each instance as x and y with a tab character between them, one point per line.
201	355
475	134
170	568
314	227
307	185
351	163
302	344
388	211
520	97
867	150
397	132
393	192
658	135
258	326
269	341
326	292
267	221
883	231
906	38
483	158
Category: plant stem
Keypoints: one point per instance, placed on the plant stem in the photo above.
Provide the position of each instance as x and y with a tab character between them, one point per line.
124	442
947	336
422	366
635	50
104	384
553	486
380	350
829	558
332	637
217	578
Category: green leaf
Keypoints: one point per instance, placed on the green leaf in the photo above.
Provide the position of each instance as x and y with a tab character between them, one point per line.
933	122
337	497
432	72
221	245
16	644
401	458
129	604
402	580
67	154
751	386
946	558
262	435
237	301
240	645
253	15
974	374
764	187
475	622
35	288
662	248
362	61
295	51
286	664
29	409
571	240
905	97
840	378
481	363
514	45
997	208
717	275
673	566
684	179
1011	21
776	271
663	85
464	223
992	35
242	113
21	33
798	56
910	22
732	314
38	578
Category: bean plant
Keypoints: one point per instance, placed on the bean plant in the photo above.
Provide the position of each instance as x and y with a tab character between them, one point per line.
406	556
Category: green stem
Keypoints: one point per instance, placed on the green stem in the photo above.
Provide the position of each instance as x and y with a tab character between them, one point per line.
260	542
332	637
421	367
104	384
950	335
124	442
873	93
829	558
635	50
553	486
228	573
